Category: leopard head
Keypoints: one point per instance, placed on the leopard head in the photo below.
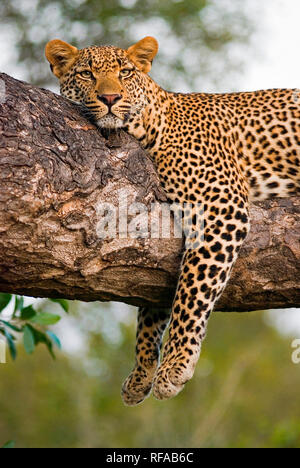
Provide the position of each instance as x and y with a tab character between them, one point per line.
110	82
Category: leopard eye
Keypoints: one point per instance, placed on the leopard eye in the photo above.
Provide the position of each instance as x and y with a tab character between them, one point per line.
86	74
125	72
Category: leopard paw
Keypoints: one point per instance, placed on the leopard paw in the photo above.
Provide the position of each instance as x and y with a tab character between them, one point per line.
137	387
172	376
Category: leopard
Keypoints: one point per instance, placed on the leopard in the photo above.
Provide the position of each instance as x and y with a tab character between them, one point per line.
218	150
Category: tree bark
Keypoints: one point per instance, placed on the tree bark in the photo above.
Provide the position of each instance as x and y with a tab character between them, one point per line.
56	168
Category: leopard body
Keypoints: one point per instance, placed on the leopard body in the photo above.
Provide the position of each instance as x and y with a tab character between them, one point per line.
218	150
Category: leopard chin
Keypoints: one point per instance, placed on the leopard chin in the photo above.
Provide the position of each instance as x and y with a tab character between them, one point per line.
110	121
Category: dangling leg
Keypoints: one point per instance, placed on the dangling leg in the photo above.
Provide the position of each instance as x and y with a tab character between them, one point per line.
204	274
151	325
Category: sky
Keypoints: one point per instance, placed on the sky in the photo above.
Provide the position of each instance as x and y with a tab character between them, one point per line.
273	63
276	61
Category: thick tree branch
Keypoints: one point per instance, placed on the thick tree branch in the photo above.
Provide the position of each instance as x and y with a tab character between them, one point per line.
55	169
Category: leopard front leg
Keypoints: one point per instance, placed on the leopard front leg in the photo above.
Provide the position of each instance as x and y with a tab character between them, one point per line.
204	274
151	324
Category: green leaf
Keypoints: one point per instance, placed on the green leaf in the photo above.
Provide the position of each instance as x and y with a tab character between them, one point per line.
45	318
63	302
4	300
49	345
43	338
19	303
39	337
28	339
11	344
12	327
10	444
28	313
54	338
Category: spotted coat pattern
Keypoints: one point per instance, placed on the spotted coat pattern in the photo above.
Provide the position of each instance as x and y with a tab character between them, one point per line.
220	150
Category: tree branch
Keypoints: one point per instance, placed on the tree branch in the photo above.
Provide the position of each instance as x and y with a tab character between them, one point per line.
55	169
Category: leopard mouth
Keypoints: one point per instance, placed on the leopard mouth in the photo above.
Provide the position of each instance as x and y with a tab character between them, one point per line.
110	120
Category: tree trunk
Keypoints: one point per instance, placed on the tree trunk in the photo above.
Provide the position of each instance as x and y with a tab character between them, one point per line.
56	169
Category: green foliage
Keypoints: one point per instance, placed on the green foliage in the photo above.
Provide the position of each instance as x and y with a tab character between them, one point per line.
4	300
62	302
195	35
29	323
28	339
245	392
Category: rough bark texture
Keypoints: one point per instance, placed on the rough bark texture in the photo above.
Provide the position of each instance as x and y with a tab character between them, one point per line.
55	169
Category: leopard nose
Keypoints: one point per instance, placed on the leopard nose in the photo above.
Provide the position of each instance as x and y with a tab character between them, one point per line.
109	99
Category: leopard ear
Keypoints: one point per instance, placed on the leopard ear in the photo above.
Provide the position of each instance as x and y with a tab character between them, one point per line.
143	52
60	55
